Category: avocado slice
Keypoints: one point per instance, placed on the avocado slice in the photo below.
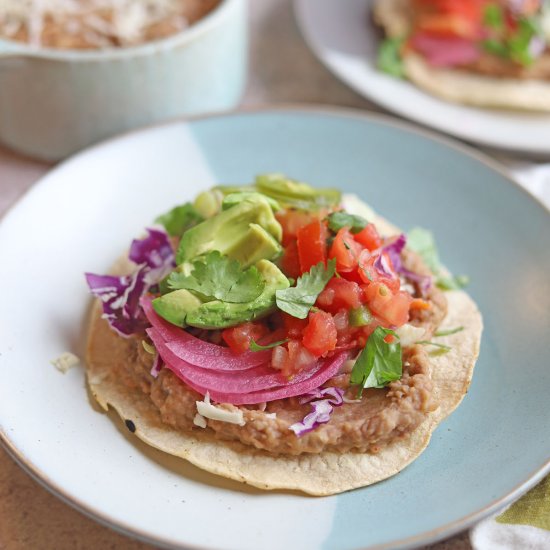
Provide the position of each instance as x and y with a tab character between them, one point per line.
235	198
182	307
294	193
234	232
175	305
208	203
256	245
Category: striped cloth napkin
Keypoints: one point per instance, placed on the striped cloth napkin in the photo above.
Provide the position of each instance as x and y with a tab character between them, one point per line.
525	525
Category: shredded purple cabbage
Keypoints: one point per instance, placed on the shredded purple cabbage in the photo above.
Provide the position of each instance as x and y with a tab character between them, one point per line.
381	265
321	409
536	47
120	300
120	295
155	252
393	250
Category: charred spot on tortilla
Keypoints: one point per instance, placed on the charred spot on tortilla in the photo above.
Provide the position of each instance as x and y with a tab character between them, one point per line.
130	425
281	410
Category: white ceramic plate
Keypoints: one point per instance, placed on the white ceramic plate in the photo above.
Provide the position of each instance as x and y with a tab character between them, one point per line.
84	213
343	38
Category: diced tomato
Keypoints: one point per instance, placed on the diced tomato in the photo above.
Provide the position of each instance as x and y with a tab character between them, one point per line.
294	326
346	250
352	276
369	237
340	294
367	271
312	244
450	18
469	9
320	335
447	26
391	307
326	298
238	338
290	262
378	297
292	358
396	312
291	221
370	274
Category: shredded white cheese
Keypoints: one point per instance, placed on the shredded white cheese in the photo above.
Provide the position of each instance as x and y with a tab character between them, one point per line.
65	361
348	400
206	409
409	334
199	421
273	416
100	21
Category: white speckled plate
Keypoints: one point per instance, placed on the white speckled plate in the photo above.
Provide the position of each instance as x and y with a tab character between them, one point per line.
344	39
84	213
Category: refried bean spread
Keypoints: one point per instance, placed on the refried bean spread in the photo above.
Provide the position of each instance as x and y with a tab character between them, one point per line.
94	24
366	425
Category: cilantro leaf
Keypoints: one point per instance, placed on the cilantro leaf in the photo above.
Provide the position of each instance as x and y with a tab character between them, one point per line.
178	220
441	348
495	47
379	363
519	43
299	299
338	220
516	46
430	343
257	347
389	57
422	242
217	276
448	332
493	16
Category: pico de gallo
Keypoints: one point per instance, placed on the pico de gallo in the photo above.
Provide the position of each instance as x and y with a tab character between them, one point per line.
498	38
365	291
253	294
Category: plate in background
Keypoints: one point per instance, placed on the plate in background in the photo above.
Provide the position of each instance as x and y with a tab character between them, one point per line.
84	213
343	37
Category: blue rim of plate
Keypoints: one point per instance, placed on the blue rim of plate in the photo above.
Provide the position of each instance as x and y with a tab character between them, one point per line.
428	537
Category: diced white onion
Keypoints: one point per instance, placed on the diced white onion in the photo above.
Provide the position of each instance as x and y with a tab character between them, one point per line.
409	334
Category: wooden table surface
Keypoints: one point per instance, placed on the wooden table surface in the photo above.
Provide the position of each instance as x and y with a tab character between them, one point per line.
282	70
